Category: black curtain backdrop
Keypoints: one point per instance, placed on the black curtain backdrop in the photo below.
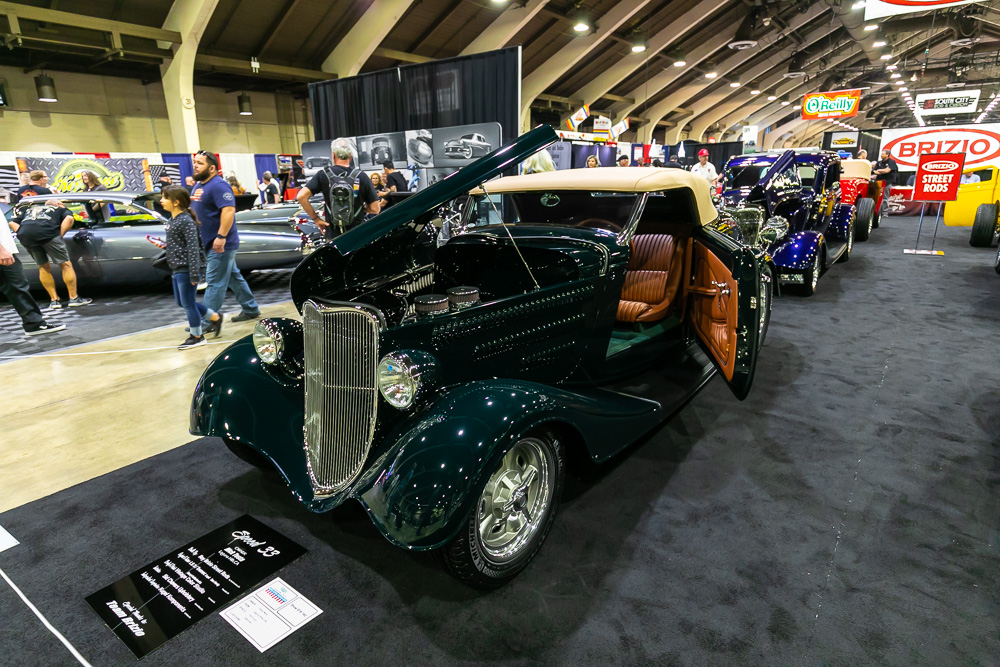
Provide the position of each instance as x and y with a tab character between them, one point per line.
481	88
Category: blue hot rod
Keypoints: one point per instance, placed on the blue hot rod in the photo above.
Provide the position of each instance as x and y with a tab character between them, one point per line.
798	217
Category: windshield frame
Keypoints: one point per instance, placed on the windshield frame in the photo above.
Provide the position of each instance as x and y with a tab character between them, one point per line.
628	226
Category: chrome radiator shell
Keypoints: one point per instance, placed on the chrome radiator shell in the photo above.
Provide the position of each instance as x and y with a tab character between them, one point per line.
341	391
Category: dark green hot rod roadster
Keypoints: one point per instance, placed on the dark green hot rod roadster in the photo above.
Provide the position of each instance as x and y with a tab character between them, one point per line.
445	388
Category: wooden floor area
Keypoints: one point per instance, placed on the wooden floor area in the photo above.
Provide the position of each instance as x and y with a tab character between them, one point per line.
73	415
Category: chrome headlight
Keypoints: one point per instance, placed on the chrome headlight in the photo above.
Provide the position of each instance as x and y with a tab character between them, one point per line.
403	375
268	341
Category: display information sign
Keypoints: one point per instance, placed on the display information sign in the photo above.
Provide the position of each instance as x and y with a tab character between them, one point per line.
980	143
169	595
270	613
835	104
876	9
938	176
750	136
843	140
935	104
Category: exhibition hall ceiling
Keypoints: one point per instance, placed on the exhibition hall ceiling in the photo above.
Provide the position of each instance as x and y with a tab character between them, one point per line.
783	49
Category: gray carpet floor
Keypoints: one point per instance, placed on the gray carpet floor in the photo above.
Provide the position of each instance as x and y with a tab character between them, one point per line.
846	513
118	311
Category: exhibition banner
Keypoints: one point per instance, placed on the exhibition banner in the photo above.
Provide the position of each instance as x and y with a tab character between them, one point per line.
843	140
126	173
876	9
938	177
574	121
619	128
980	143
834	104
932	104
602	127
162	599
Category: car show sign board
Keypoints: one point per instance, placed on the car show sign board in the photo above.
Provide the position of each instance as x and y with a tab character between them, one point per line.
834	104
876	9
162	599
980	143
938	176
844	140
936	104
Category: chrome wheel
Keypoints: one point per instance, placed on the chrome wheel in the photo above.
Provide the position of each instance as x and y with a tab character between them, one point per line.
516	500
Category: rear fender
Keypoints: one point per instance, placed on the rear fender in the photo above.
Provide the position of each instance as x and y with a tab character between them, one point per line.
421	490
796	251
840	221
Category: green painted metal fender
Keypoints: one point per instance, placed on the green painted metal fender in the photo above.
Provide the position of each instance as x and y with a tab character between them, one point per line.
421	490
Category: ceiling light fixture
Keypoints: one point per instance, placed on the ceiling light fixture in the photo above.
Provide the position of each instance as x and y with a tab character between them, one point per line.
46	88
895	75
890	67
638	46
711	73
680	60
771	98
785	103
870	27
899	83
734	84
581	22
878	44
860	4
755	92
885	56
244	102
797	107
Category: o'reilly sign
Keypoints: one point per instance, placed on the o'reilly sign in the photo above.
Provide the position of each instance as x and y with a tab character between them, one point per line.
835	104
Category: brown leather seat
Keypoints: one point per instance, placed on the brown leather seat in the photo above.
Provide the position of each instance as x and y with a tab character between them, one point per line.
652	278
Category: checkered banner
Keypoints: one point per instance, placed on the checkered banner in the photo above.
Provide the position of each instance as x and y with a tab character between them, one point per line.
126	173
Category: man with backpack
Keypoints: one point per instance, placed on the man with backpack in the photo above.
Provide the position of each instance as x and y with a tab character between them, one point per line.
344	205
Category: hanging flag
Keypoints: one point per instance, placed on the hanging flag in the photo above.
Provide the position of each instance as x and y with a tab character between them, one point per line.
574	121
619	128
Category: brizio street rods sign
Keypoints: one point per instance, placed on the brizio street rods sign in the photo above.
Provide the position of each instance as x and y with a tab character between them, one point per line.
980	143
169	595
938	177
835	104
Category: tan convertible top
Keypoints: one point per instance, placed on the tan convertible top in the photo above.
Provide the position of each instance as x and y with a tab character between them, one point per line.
611	179
855	169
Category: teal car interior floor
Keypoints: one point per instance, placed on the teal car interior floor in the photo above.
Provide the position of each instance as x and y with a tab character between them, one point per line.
845	513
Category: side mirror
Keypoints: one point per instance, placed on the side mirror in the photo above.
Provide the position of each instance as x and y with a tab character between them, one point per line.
773	229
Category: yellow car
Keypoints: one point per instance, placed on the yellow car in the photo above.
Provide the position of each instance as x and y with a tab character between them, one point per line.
976	205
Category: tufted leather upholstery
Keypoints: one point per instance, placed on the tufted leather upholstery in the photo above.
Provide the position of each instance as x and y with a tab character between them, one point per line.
652	278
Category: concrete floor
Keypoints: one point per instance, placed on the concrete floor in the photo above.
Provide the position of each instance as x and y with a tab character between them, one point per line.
77	413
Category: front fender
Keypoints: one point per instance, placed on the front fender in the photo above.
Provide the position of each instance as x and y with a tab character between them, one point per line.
797	250
241	399
421	490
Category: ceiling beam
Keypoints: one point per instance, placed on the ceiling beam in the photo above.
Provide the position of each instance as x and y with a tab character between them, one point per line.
29	13
621	69
272	33
400	55
551	70
357	46
504	27
238	66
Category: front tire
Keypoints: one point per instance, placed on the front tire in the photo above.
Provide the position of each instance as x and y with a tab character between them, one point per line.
984	226
865	220
509	523
250	455
767	297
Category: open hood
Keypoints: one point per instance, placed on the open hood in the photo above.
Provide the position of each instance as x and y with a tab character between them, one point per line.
387	244
457	184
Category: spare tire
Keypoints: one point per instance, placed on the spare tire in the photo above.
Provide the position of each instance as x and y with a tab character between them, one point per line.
984	226
865	219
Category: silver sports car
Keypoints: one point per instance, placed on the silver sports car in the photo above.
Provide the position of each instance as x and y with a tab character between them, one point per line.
117	252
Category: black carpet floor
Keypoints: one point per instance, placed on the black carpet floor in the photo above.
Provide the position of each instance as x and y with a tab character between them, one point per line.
845	514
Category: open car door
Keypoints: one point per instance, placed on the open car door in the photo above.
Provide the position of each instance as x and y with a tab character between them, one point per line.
725	302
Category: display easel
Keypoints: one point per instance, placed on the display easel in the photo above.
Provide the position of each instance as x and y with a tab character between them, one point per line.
937	180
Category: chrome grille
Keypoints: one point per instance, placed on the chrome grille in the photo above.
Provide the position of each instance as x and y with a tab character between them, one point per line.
341	358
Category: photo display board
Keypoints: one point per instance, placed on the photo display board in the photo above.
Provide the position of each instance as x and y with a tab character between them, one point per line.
163	598
423	156
124	173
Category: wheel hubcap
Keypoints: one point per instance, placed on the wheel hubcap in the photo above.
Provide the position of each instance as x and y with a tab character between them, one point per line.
815	275
515	500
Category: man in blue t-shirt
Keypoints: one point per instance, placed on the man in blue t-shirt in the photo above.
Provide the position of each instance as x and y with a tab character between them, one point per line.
212	200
